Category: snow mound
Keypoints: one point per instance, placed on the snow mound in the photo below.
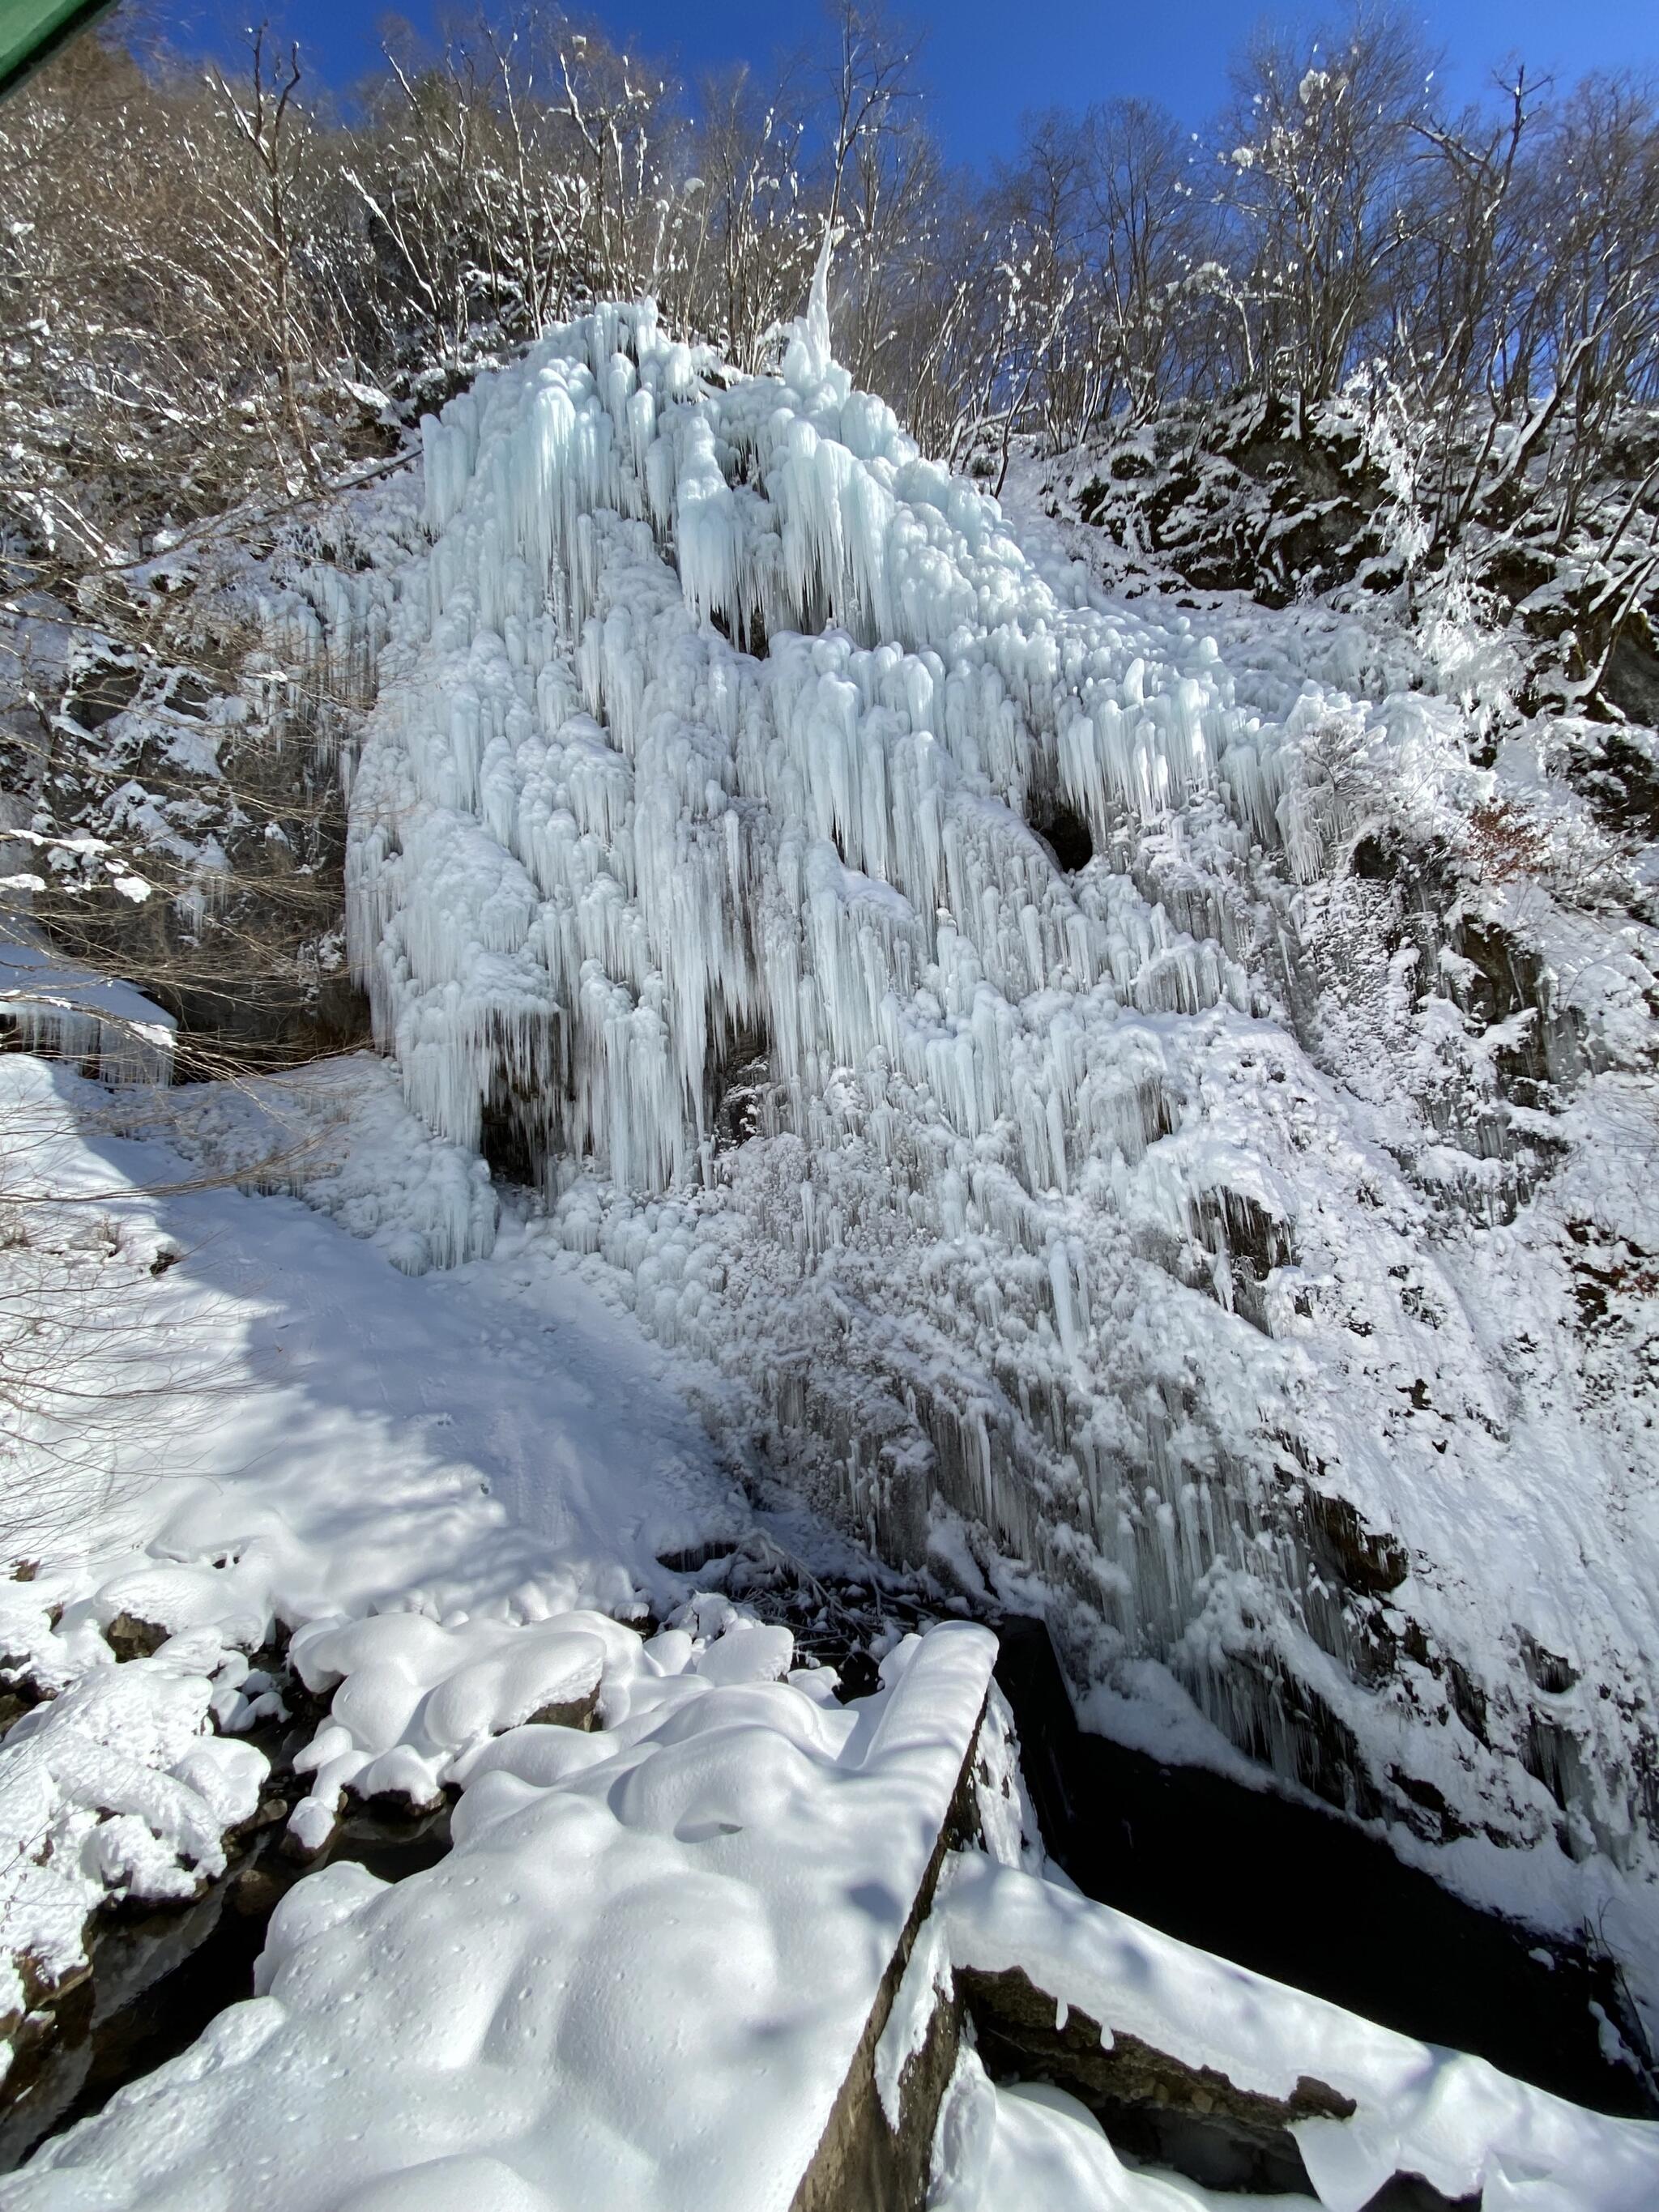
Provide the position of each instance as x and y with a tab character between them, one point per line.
639	1981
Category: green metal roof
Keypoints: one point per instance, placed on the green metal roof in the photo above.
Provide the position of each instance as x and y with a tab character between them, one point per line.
30	30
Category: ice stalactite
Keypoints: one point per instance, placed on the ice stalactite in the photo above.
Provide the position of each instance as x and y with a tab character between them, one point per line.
1052	1232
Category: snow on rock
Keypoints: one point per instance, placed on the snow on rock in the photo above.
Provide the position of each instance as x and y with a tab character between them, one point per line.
1168	1234
54	1008
1027	2143
1467	2130
116	1788
748	1651
414	1701
641	1977
172	1598
413	1697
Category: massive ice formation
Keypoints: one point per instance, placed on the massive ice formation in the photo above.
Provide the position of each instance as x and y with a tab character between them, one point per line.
698	860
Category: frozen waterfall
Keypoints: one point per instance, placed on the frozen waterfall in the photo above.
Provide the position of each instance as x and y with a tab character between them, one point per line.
717	731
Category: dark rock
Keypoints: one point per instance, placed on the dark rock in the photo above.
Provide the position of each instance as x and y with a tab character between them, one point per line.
1621	780
694	1558
102	690
1435	1819
16	1699
572	1712
512	1132
1368	1560
255	1890
395	1808
1468	1699
1233	1226
130	1637
859	1677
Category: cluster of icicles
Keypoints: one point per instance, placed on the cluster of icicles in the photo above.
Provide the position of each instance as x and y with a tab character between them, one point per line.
717	716
595	841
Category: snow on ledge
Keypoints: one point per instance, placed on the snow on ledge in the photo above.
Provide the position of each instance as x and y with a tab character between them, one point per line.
69	1013
1469	2130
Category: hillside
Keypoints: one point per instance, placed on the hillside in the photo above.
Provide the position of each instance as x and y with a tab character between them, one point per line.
766	1202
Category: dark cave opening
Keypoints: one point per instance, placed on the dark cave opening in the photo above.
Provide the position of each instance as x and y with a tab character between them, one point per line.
1065	834
505	1141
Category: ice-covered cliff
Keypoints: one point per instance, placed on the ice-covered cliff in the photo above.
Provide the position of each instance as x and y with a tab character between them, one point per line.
1043	1048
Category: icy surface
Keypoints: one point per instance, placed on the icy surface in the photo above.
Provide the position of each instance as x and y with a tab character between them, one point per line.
640	1978
1164	1239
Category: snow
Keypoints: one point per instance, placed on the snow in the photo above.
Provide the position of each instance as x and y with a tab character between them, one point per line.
1104	1232
118	1786
925	1986
1151	1245
1466	2129
639	1977
639	1974
308	1437
1027	2143
411	1698
339	1136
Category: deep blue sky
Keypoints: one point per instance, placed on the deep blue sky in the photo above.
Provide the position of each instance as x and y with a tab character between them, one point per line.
987	60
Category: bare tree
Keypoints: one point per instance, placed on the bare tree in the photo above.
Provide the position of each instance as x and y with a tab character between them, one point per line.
1318	144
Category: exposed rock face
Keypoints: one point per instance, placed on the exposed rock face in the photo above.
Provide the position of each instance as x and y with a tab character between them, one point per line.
185	808
1153	2106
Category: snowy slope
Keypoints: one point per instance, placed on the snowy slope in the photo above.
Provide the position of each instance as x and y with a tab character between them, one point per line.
302	1435
1186	1238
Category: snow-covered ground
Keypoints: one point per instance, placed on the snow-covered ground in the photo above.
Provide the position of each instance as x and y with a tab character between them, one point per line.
299	1432
637	1975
